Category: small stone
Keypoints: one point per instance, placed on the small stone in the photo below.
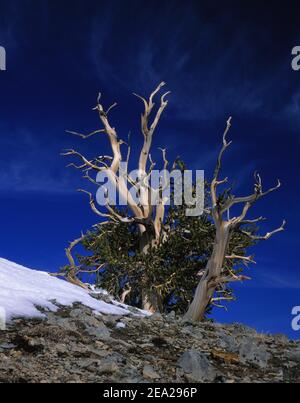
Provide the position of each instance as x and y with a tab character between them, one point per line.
7	346
98	352
108	368
87	362
239	328
101	345
120	325
147	345
171	315
150	373
156	316
79	313
61	349
228	343
100	332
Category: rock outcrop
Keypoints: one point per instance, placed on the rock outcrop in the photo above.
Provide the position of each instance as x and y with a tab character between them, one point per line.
75	345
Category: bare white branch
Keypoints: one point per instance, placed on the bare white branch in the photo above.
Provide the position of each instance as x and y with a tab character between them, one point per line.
86	136
248	259
268	234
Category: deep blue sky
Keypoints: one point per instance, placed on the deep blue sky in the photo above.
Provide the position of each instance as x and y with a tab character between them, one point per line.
218	58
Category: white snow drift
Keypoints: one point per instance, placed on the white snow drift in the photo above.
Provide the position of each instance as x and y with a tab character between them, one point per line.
22	290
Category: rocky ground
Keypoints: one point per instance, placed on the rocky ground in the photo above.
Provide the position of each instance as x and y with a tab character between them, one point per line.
75	345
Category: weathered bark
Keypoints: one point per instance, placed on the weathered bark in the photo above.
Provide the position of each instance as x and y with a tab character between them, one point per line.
151	301
207	285
146	238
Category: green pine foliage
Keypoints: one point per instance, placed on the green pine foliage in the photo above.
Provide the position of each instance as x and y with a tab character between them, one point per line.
171	270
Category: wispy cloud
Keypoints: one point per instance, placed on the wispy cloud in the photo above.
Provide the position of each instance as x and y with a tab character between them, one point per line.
264	277
212	80
20	177
275	280
26	165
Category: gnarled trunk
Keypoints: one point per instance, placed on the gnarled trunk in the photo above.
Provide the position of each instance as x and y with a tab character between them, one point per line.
151	300
207	285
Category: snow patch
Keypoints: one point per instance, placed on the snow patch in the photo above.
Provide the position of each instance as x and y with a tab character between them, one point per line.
120	325
22	290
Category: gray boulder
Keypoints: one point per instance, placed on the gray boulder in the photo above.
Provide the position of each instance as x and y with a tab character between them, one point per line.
294	356
250	351
196	366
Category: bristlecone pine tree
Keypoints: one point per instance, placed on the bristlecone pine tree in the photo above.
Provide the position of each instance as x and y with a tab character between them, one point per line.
215	276
148	218
156	257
